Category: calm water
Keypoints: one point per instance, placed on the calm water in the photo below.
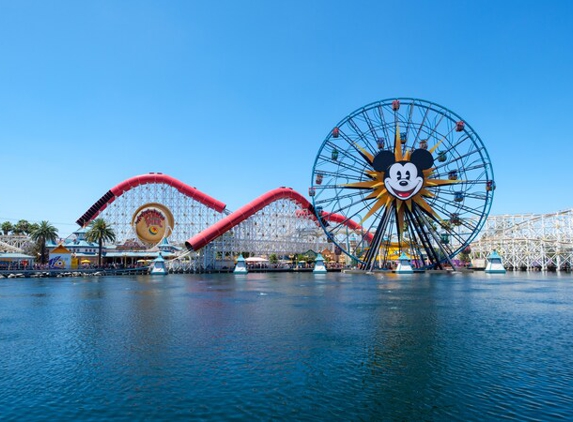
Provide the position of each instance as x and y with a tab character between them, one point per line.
288	347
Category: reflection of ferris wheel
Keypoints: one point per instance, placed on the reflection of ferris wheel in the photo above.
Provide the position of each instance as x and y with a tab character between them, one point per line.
402	176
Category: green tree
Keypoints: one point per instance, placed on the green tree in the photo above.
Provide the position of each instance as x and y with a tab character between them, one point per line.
100	232
7	227
44	232
32	228
464	255
32	248
273	258
21	227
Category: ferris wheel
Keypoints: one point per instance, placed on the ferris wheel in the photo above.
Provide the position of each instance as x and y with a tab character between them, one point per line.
402	176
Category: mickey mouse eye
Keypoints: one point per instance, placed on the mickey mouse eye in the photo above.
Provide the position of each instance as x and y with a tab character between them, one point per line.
399	175
408	174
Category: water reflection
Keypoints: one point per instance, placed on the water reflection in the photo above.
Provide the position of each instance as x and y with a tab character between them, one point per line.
288	346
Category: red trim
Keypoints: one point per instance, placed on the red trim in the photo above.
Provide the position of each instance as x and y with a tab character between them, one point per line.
143	179
191	192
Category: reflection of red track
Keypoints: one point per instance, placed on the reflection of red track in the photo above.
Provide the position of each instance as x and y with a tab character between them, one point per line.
135	181
201	239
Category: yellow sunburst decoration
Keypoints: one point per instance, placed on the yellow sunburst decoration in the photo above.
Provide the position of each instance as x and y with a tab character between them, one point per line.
400	180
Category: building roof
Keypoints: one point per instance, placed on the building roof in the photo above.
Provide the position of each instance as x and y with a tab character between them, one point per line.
13	255
138	254
81	244
403	256
60	249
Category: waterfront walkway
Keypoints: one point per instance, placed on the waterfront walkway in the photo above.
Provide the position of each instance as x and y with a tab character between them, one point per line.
89	272
71	273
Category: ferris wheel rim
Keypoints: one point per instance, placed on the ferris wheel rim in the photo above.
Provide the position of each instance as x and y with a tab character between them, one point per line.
472	136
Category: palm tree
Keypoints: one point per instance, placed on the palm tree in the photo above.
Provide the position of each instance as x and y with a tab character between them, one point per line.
7	227
32	227
100	232
21	227
43	233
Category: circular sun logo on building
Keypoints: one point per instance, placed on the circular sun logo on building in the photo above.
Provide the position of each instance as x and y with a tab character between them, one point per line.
152	222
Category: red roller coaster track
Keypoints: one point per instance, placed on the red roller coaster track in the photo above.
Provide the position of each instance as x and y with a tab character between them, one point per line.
208	235
144	179
227	223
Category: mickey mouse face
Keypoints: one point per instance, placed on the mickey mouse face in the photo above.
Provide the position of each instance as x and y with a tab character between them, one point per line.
403	179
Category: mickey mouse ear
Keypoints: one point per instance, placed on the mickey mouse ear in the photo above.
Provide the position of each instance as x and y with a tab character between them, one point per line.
422	158
383	160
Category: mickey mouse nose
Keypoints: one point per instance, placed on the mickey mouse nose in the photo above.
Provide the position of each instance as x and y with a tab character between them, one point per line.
403	183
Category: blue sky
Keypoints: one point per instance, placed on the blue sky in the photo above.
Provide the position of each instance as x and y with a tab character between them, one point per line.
236	97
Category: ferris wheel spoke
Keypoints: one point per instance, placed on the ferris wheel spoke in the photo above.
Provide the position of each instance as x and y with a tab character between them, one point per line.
355	147
441	204
477	196
353	195
361	135
342	211
372	131
475	183
350	211
467	225
458	172
475	210
409	121
433	128
344	226
350	168
454	236
458	143
421	125
345	180
336	154
457	159
439	208
330	175
476	166
326	173
452	230
385	125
